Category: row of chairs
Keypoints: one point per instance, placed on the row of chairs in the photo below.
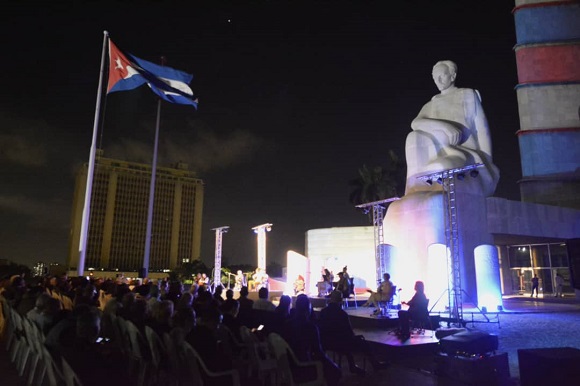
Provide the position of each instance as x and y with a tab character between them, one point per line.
168	359
26	350
266	360
153	359
37	366
273	362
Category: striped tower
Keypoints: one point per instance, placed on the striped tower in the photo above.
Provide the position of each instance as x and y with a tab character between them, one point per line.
548	91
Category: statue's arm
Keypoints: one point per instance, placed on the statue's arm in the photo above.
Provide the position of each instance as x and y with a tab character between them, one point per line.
481	125
451	134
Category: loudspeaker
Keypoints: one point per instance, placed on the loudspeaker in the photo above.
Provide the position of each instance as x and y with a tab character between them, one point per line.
549	366
469	343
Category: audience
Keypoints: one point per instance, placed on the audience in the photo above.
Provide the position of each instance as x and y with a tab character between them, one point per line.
336	334
283	308
87	337
302	335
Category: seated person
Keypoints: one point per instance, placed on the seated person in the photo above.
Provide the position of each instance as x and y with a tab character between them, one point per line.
94	363
240	281
260	278
417	310
325	286
384	294
336	334
343	285
263	302
303	337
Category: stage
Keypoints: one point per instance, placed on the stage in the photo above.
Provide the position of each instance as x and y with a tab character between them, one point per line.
380	332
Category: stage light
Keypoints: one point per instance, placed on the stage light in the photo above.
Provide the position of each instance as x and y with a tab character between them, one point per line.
440	181
474	173
461	176
429	182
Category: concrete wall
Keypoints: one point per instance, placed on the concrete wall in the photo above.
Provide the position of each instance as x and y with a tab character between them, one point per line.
334	248
529	219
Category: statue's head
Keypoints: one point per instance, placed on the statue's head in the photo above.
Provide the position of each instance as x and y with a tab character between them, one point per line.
444	74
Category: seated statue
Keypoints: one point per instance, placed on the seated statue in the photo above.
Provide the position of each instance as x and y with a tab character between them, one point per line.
451	131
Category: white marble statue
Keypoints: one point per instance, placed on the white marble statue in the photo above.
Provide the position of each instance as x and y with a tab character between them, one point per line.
451	131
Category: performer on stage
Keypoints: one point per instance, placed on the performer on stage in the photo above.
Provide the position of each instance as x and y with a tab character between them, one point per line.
299	285
260	278
325	286
384	294
343	285
240	281
417	310
203	281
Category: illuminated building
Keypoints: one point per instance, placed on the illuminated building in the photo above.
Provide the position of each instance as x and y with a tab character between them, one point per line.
118	220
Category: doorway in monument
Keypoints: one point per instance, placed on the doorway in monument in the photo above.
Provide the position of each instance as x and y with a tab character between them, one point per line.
521	280
544	260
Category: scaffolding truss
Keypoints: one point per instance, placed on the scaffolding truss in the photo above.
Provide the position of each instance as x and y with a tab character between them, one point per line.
447	178
217	270
378	208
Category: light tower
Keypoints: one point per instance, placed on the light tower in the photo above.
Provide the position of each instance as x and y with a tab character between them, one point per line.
378	216
217	271
261	230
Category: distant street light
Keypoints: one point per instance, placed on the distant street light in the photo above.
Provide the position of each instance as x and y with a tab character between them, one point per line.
261	230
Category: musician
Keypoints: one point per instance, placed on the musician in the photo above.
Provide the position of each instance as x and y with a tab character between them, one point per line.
299	285
260	278
384	294
240	281
343	285
325	286
418	310
203	281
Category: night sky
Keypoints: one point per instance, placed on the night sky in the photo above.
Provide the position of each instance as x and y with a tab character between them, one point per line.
294	97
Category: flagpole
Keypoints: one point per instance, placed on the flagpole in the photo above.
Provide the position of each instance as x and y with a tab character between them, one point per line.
91	167
151	195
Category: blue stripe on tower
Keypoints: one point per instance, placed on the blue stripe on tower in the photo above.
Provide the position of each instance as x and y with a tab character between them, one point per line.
549	23
544	153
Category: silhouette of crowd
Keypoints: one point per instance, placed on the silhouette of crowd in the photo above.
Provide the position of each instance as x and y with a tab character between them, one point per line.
158	331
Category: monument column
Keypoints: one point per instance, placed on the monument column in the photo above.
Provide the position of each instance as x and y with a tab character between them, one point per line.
548	61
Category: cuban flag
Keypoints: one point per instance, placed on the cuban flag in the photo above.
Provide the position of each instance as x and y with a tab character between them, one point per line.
127	72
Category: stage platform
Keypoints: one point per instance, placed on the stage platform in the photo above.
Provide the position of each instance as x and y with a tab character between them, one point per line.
380	332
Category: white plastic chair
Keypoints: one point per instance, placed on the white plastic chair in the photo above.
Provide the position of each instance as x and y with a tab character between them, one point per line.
195	367
262	360
284	355
70	377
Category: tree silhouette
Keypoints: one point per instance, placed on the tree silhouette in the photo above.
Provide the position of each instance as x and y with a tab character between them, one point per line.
379	182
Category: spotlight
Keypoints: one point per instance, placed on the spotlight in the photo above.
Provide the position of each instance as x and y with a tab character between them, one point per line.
474	173
440	181
484	309
429	182
461	176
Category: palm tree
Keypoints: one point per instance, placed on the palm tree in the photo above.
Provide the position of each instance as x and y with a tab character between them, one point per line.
379	182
